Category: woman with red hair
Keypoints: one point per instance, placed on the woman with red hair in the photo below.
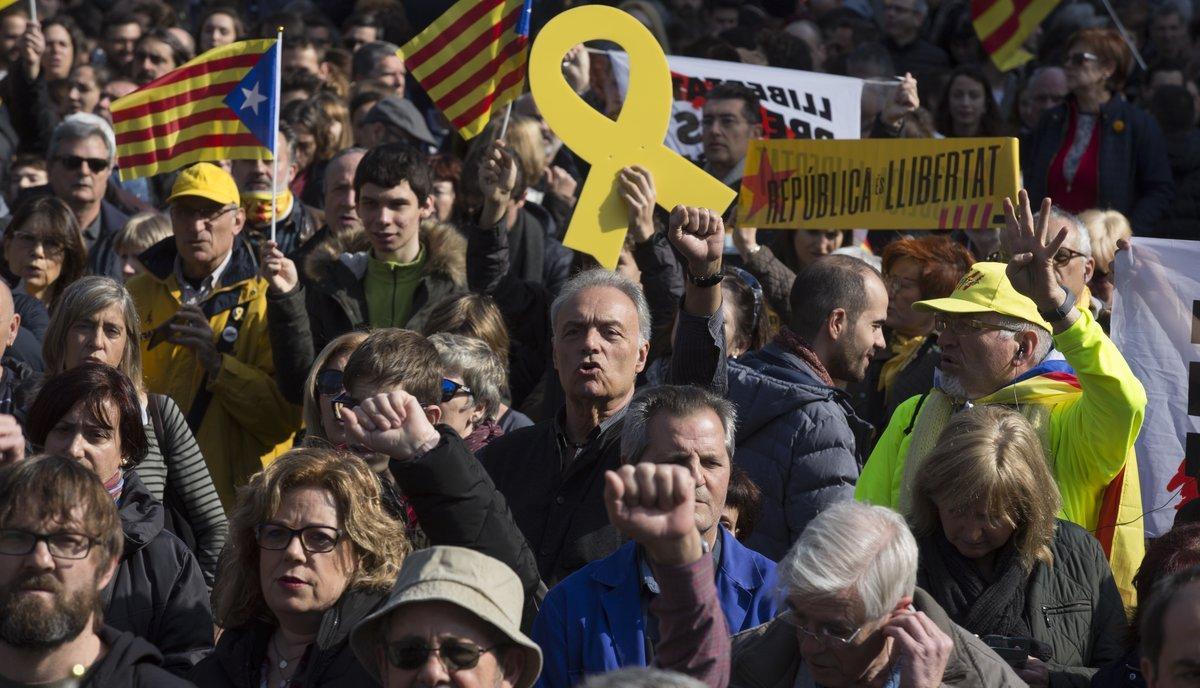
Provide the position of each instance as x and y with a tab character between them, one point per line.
913	270
1097	150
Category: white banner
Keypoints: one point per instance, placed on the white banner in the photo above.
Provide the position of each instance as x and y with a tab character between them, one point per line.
796	104
1154	324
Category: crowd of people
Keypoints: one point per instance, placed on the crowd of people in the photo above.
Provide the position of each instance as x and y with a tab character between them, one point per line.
403	436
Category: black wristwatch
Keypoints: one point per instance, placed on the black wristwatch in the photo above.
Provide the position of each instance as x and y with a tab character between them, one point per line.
1062	311
706	281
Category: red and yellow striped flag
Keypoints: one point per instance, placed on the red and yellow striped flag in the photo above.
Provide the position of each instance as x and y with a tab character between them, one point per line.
1003	25
471	61
182	117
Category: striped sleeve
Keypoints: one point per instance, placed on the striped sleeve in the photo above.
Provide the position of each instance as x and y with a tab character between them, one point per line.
191	480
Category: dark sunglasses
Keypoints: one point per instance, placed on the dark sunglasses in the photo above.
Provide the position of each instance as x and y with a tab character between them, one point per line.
1080	59
342	402
330	383
455	654
756	289
451	389
72	162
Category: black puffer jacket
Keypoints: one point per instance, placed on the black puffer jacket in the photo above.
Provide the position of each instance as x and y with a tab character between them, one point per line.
238	658
129	663
158	592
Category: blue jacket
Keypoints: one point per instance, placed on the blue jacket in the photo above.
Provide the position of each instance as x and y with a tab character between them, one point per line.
592	621
798	439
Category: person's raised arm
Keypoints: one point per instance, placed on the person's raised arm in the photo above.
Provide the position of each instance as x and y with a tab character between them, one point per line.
655	505
662	279
287	323
698	351
455	500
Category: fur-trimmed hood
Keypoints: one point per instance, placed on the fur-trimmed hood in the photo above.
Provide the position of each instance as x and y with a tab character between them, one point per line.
445	254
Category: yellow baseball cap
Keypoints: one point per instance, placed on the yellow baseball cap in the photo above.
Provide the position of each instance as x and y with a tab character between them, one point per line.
206	180
985	289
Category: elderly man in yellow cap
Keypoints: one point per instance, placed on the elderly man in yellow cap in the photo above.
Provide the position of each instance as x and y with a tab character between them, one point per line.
1012	335
204	330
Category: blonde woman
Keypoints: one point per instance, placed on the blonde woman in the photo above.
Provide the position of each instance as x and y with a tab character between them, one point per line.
1105	228
996	558
139	233
311	552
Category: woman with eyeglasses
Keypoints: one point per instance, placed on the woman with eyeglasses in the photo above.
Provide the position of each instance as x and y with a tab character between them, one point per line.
913	270
993	554
1097	150
43	249
91	414
311	553
97	322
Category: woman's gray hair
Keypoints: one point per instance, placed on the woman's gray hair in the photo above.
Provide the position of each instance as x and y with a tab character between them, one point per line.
479	367
81	126
678	401
84	298
853	546
599	277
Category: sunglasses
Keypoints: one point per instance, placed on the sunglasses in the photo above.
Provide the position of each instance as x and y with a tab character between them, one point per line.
72	162
1080	59
330	383
755	289
451	389
342	402
455	654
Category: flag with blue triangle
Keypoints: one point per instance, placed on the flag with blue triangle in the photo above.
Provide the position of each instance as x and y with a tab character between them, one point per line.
255	101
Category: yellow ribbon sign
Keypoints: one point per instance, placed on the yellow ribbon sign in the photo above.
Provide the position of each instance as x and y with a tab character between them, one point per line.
600	220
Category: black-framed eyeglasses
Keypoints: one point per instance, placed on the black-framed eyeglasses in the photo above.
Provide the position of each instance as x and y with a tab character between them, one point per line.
314	539
191	214
961	325
824	635
455	654
72	162
451	389
1065	255
330	382
62	545
1080	59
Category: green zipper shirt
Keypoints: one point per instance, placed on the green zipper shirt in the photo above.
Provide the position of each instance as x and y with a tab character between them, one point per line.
390	288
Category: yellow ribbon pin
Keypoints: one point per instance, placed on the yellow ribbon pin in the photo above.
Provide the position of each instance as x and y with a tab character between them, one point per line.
600	220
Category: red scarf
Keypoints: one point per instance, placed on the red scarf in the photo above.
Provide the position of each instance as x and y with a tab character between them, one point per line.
797	345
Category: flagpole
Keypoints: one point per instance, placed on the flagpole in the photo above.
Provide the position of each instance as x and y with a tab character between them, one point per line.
1125	34
275	133
504	124
33	11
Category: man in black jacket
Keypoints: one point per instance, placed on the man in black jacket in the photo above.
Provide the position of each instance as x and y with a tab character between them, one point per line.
295	222
551	473
60	539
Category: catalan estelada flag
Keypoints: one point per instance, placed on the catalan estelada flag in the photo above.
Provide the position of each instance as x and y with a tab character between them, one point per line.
221	105
1003	25
471	60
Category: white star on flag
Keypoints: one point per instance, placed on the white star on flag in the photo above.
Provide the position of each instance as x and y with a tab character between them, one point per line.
253	98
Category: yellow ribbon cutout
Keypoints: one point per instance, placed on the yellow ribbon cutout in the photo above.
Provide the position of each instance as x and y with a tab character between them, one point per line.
601	219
